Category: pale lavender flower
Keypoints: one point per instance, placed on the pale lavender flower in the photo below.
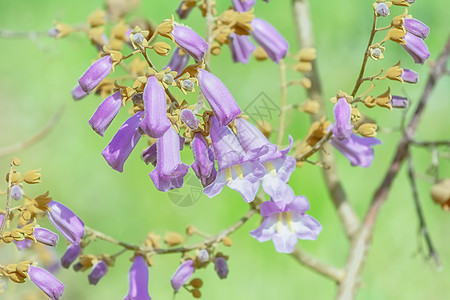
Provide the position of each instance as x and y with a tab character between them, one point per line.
269	39
105	113
69	224
16	192
48	283
78	93
155	122
278	165
138	280
203	256
241	47
416	27
71	254
95	74
221	266
188	117
203	165
410	76
98	271
45	236
358	150
123	142
170	170
342	114
242	172
243	6
190	41
178	61
399	102
416	47
285	222
23	244
182	275
219	98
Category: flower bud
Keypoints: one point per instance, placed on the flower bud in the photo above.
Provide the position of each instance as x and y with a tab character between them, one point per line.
138	280
269	39
71	254
98	271
45	236
221	267
161	48
69	224
416	27
16	192
368	130
189	118
399	102
48	283
138	38
187	85
416	47
410	76
382	10
182	275
105	113
78	93
440	192
95	74
168	78
203	256
190	41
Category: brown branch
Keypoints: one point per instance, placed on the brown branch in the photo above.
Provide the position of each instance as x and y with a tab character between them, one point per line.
8	199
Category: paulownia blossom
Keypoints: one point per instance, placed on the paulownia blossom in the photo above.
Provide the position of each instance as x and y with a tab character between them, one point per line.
95	74
269	39
203	165
138	280
243	6
105	113
45	236
285	222
358	150
98	271
178	61
188	40
66	221
342	114
241	47
71	254
417	32
278	165
242	172
182	275
48	283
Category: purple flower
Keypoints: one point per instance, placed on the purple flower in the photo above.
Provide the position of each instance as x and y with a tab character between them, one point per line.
26	243
71	254
78	93
284	222
182	275
106	113
123	142
278	166
48	283
241	47
169	171
95	74
188	117
183	11
138	280
16	192
399	102
219	98
98	271
190	41
45	236
269	39
416	27
410	76
243	6
178	61
221	266
416	47
155	122
203	165
69	224
149	155
242	172
358	150
342	114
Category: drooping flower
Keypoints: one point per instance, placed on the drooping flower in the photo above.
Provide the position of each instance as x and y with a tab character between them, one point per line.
123	142
285	222
184	9
65	220
342	114
170	170
358	150
190	41
269	39
98	271
241	47
45	236
182	275
71	254
278	165
138	280
155	122
219	98
221	267
399	102
78	93
416	47
106	113
242	172
243	6
48	283
95	74
178	61
203	165
410	76
416	27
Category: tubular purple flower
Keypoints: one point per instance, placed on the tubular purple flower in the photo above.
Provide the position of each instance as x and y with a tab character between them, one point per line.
71	254
416	27
203	165
243	6
123	142
242	172
26	243
342	114
149	155
106	113
78	93
155	122
98	271
48	283
182	275
45	236
219	98
410	76
416	47
69	224
138	280
16	192
188	117
95	74
358	150
241	47
190	41
221	266
399	102
178	61
285	222
269	39
183	13
169	171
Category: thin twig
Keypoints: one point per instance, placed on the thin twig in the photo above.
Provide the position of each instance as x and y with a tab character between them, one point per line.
283	86
8	199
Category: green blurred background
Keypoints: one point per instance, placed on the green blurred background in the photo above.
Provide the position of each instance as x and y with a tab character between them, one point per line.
36	77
